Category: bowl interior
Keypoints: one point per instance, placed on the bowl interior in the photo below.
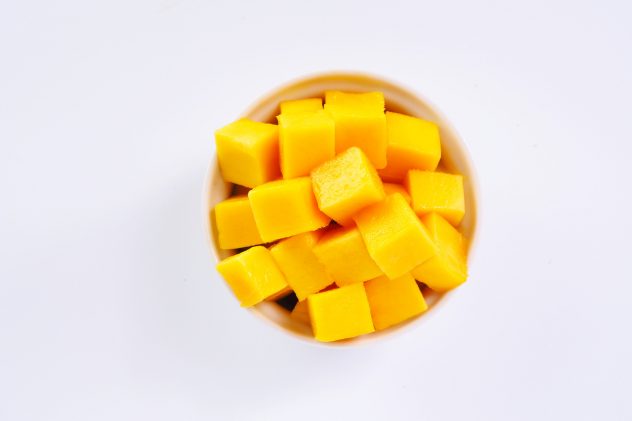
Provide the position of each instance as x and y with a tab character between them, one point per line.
454	158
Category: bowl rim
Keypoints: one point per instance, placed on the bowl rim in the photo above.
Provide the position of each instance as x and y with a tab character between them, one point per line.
369	78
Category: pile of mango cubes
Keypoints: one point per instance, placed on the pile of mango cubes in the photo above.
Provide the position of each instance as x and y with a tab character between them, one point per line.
343	207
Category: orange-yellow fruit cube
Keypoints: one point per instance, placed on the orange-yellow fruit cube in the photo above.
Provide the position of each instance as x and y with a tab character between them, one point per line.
363	101
390	188
300	312
248	152
284	208
346	184
341	313
281	294
394	300
345	256
360	121
413	143
396	239
302	270
306	140
301	105
235	223
448	269
252	275
437	192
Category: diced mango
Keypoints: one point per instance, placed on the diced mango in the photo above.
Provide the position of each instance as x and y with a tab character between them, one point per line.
284	208
360	121
302	270
390	188
281	294
306	140
352	102
346	184
301	105
448	269
248	152
345	256
396	239
300	312
235	223
340	313
437	192
252	275
394	300
413	143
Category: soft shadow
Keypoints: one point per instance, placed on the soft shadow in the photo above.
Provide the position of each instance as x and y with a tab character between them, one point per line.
192	340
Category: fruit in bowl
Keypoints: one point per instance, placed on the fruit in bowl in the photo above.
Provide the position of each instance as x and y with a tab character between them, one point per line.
342	211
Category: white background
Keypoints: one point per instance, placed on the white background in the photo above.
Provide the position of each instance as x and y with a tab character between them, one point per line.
110	308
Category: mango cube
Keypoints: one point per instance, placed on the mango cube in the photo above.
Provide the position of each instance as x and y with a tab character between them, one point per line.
360	121
306	140
248	152
341	313
345	256
281	294
284	208
302	270
301	105
448	269
346	184
235	223
437	192
396	239
390	188
394	300
413	143
252	275
300	312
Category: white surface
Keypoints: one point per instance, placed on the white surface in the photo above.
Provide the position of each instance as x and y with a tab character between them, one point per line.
109	308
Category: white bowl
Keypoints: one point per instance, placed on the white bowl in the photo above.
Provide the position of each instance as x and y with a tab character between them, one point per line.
454	158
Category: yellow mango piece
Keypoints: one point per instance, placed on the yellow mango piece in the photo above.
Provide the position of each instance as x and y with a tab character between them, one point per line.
300	312
341	313
390	188
437	192
329	287
351	101
248	152
296	259
396	239
301	105
360	121
413	143
448	269
284	208
306	140
345	256
235	223
252	275
285	291
346	184
394	300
